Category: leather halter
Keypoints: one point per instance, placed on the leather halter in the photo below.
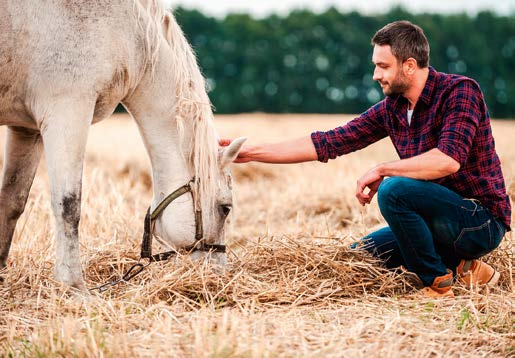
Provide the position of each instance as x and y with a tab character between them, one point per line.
148	232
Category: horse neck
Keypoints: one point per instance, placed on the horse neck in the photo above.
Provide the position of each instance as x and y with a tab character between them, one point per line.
173	112
167	153
168	143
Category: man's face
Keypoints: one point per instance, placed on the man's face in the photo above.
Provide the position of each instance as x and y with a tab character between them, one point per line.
388	71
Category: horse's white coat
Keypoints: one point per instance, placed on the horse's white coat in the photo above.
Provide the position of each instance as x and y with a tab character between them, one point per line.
65	64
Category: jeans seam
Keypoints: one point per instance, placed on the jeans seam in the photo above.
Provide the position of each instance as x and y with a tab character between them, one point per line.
499	228
479	206
472	229
473	211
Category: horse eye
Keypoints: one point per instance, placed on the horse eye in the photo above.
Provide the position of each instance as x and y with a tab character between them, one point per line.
226	209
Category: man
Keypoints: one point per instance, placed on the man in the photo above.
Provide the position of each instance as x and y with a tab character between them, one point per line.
445	200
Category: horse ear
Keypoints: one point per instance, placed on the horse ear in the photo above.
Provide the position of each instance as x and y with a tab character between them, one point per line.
230	152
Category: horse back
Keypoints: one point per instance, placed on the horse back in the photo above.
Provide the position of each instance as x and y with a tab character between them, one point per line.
60	48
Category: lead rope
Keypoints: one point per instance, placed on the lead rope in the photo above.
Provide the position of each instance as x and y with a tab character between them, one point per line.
133	271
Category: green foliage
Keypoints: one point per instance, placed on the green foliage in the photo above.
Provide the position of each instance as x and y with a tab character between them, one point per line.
308	62
465	317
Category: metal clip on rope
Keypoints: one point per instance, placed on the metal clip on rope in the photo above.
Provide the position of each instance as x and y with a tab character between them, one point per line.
132	272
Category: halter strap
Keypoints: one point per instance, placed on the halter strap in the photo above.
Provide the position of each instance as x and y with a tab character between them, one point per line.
166	201
148	232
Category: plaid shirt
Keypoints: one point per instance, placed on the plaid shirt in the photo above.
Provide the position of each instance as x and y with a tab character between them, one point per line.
450	115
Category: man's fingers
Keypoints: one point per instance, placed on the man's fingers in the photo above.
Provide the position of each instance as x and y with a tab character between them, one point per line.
224	142
364	198
360	195
360	187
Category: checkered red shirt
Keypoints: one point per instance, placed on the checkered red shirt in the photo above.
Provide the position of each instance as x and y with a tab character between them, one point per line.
450	115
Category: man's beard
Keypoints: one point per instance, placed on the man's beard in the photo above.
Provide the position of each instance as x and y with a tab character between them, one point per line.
398	86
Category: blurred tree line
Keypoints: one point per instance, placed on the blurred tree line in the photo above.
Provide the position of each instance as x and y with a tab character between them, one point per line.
321	63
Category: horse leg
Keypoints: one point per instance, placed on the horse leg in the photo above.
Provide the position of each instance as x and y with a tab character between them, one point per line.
21	158
65	135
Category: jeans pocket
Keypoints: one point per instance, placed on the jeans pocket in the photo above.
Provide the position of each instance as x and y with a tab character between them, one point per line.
475	242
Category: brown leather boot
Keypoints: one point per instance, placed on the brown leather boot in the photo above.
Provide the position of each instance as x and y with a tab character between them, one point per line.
475	272
441	287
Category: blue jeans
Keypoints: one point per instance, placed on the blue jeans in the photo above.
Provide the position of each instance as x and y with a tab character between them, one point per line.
431	228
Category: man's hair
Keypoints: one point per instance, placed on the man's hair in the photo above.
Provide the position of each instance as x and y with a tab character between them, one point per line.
406	40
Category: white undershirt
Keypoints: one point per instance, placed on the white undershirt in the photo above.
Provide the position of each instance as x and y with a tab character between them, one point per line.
410	114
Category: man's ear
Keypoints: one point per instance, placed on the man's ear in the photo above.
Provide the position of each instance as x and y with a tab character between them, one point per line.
230	152
410	66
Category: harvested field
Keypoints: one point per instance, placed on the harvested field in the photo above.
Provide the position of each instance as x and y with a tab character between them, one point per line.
291	288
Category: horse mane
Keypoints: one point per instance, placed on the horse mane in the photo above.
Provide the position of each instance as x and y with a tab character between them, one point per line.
192	101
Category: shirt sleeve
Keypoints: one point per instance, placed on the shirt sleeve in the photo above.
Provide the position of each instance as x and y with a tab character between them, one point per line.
461	121
357	134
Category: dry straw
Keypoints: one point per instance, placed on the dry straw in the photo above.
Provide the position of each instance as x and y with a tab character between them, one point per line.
280	272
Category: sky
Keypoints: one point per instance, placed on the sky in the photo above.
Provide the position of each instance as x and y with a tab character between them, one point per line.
260	8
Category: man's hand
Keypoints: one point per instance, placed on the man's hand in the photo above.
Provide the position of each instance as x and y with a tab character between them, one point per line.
371	179
243	155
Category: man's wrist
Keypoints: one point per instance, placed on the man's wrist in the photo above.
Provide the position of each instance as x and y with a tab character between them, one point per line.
255	153
381	170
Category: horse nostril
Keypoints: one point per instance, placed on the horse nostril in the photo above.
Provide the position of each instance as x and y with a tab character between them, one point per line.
226	209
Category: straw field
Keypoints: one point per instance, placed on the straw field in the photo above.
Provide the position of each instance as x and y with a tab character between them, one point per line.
291	286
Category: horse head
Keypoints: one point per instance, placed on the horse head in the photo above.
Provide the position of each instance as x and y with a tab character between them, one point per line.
202	231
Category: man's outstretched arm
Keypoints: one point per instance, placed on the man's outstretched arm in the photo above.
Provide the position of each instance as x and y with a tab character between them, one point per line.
287	152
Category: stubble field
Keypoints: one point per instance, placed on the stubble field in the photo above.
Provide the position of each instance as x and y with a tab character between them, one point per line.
291	288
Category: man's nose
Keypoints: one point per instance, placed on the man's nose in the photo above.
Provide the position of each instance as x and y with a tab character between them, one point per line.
377	75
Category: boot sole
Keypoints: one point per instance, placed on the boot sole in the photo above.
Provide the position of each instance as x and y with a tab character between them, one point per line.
494	279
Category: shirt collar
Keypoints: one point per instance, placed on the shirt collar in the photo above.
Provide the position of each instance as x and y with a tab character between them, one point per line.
429	87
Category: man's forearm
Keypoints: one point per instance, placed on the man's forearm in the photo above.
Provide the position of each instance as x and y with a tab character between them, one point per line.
292	151
428	166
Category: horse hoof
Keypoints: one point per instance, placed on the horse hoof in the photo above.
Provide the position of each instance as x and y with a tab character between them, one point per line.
80	287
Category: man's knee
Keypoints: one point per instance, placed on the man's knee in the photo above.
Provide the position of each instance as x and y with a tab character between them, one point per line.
388	190
394	188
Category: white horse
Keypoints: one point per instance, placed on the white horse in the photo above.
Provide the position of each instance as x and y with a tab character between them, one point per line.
65	65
